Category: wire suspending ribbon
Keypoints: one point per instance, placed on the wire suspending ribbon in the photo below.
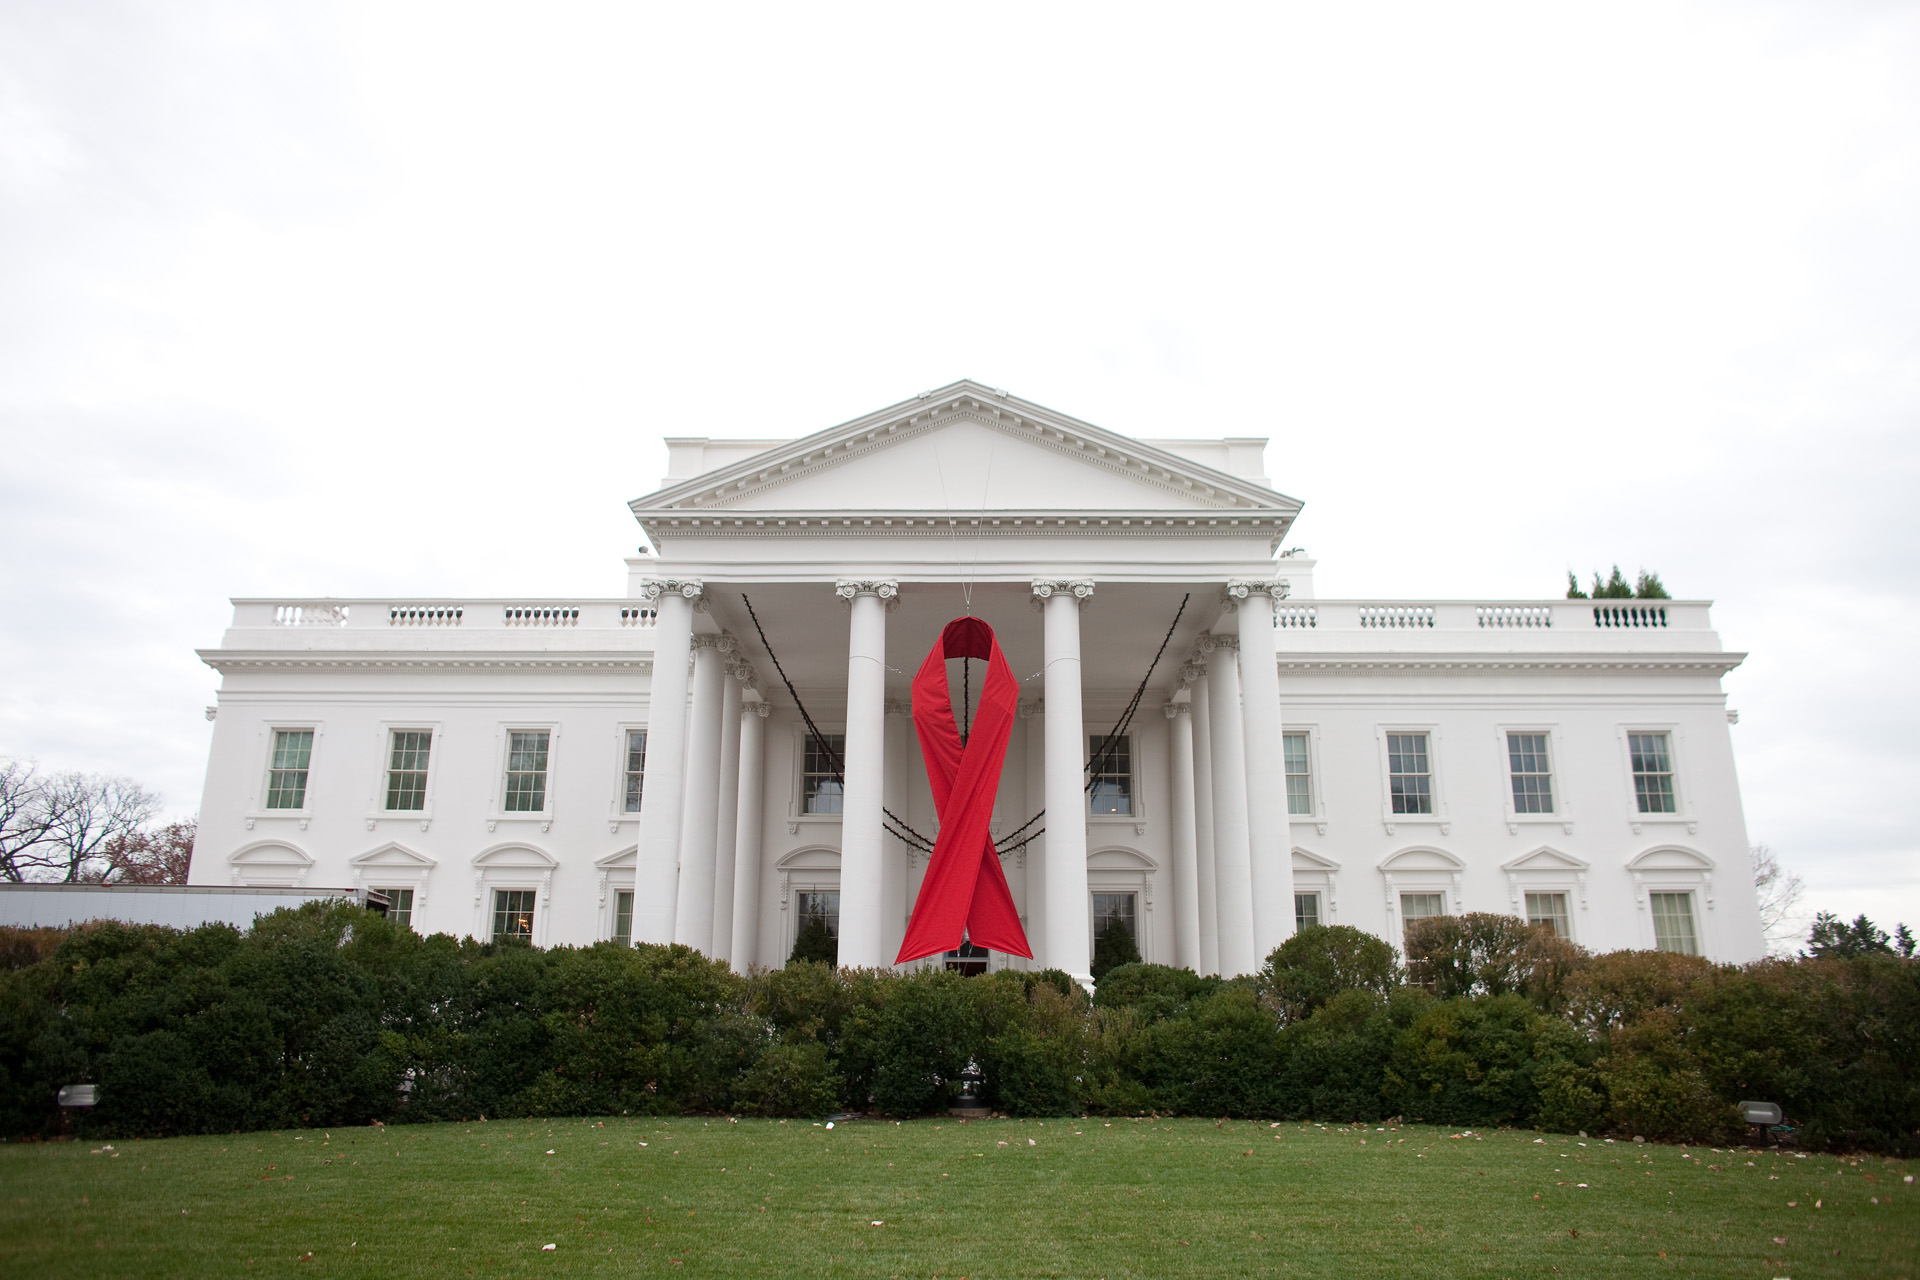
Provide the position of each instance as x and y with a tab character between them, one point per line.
964	896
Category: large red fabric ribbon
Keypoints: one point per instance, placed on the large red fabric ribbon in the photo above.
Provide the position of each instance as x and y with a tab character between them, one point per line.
965	894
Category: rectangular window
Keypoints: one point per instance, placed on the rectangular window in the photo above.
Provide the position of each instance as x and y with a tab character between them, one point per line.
1112	760
1306	911
1550	909
1652	772
399	906
1409	775
1673	923
1418	906
820	782
407	768
1532	778
287	775
1110	909
513	915
636	767
1299	774
825	902
623	917
527	771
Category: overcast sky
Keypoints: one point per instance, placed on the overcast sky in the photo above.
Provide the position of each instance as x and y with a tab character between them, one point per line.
400	299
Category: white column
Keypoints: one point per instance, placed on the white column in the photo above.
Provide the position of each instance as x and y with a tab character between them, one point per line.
726	816
1068	946
1232	858
656	871
1269	835
700	823
747	889
1205	881
1186	861
861	835
893	861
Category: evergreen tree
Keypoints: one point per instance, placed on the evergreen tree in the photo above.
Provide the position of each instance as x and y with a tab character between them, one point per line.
815	942
1573	587
1113	948
1650	587
1831	939
1615	588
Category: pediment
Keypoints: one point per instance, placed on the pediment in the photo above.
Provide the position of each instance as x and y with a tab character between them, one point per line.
1421	859
1670	858
812	859
1306	861
1545	858
1119	860
968	449
515	855
625	859
394	854
271	853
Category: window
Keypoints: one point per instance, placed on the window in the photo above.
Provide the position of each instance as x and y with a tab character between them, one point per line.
1409	775
1306	911
1549	909
1652	772
513	915
527	771
399	906
1110	909
636	770
623	913
1418	906
287	775
407	768
1673	923
1112	760
1299	773
820	786
825	902
1532	779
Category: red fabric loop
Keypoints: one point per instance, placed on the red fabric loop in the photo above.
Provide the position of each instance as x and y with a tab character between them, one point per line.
965	894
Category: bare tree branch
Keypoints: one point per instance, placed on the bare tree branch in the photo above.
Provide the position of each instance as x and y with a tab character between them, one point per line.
1779	891
85	813
24	817
152	857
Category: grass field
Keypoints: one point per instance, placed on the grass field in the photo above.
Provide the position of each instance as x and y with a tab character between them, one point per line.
941	1198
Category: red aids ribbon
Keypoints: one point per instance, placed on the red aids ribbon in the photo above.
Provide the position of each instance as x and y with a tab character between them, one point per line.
965	894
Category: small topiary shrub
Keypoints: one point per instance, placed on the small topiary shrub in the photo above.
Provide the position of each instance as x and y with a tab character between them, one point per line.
1114	947
1318	963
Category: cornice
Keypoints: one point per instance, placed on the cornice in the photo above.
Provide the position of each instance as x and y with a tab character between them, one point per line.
966	400
1270	524
224	661
1720	663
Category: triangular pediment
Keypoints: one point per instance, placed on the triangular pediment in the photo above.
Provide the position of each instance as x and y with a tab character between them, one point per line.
1545	858
394	854
967	449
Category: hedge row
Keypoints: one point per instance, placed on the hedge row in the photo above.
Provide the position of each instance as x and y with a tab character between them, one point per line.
327	1015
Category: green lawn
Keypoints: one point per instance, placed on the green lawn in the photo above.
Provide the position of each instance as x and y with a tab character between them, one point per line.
941	1198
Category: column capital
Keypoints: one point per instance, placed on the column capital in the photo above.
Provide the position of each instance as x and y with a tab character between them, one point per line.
898	707
692	588
1174	710
888	589
1192	671
1031	708
722	643
1209	641
1241	588
756	709
1044	589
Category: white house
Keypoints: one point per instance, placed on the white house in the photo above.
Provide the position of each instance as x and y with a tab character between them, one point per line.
638	769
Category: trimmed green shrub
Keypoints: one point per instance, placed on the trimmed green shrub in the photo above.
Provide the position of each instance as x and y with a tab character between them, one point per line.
1318	963
1153	991
1114	947
1483	953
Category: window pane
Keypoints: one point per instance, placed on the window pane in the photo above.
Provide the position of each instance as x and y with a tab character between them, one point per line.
407	769
636	768
1408	773
1299	778
1418	906
287	775
1532	780
1652	772
399	906
1306	910
1110	909
821	789
1673	923
623	917
1549	909
527	772
513	915
824	901
1112	790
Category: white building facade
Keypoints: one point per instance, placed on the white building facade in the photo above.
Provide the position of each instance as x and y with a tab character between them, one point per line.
639	768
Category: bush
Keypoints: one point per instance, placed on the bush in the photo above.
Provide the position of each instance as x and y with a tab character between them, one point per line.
1482	1062
1153	991
814	944
1486	954
1318	963
1113	948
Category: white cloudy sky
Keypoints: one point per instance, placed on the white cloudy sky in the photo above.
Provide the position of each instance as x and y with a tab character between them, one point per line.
400	298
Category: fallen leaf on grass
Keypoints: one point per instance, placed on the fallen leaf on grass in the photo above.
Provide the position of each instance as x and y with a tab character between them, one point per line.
1779	1239
548	1248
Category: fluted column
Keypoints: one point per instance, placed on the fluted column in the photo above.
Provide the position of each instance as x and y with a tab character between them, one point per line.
1035	921
656	872
1232	857
1068	946
726	814
1195	674
1186	863
749	812
862	834
1268	833
894	861
700	823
